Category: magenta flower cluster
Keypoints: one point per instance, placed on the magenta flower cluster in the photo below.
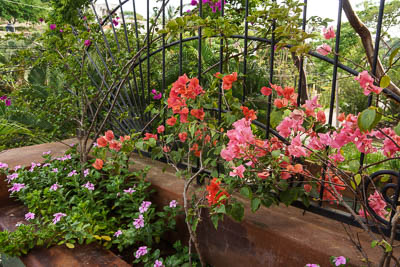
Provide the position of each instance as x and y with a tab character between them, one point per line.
6	100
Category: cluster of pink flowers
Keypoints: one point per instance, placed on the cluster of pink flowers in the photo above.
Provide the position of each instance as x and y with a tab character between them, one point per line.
29	216
141	252
328	33
7	101
72	173
12	176
54	187
158	263
144	206
377	204
89	186
64	158
389	148
16	187
367	83
139	222
173	204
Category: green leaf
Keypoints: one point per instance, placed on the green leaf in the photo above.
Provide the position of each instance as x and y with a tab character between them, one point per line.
353	185
397	129
245	191
69	245
392	55
374	243
385	81
255	204
215	220
221	209
354	165
237	211
368	119
275	153
357	178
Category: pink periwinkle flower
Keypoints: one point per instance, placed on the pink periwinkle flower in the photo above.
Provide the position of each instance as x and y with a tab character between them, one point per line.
86	172
58	216
29	216
139	222
324	49
89	186
16	168
16	187
144	206
54	170
140	252
46	152
54	187
61	30
328	33
173	204
339	261
87	43
118	233
312	265
238	171
53	26
367	83
158	263
130	190
72	173
12	176
3	165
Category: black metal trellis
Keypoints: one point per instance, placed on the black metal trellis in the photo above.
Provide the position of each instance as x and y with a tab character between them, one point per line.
136	95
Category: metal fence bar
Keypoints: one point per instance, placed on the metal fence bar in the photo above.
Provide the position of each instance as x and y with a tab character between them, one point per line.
180	42
112	25
246	33
199	42
148	51
303	27
271	77
221	66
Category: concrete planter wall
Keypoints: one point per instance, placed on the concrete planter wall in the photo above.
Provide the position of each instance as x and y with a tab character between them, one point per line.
279	236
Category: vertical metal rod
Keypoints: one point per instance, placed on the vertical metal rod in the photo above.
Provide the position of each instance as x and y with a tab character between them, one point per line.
303	27
112	25
148	51
246	33
124	24
163	49
180	43
375	60
138	48
221	66
199	44
271	76
333	91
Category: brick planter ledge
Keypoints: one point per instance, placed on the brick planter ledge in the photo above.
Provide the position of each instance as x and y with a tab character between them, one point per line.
278	236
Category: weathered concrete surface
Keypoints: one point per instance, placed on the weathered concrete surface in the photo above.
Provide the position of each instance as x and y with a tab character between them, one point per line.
278	236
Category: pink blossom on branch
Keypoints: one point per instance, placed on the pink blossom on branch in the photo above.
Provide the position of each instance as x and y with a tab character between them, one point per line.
238	171
367	83
328	33
324	49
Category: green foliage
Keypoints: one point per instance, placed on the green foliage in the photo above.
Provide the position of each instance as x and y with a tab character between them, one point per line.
23	10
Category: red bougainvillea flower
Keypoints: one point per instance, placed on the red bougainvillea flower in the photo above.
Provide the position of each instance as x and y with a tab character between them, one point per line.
367	83
160	129
215	192
298	168
228	80
182	136
324	49
328	33
184	113
266	91
150	135
307	188
281	103
263	175
198	113
98	164
124	138
341	117
109	135
166	149
115	145
249	113
321	117
328	184
171	121
102	142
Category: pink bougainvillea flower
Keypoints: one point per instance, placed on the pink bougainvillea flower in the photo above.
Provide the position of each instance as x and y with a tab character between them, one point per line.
377	204
160	129
98	164
307	188
158	263
328	33
238	171
54	187
53	26
194	3
140	252
144	206
367	83
281	103
139	222
296	148
87	42
324	49
115	145
173	204
339	261
89	186
150	135
266	91
16	187
29	216
58	216
118	233
321	117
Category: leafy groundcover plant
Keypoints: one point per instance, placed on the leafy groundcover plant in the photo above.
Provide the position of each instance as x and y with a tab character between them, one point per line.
69	204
